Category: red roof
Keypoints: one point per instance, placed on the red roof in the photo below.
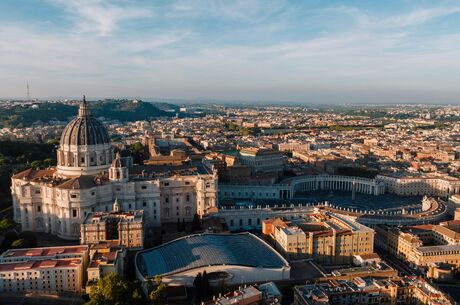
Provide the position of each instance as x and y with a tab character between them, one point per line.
31	173
50	251
40	264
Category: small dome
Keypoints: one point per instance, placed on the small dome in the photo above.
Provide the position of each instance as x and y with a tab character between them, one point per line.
84	130
117	162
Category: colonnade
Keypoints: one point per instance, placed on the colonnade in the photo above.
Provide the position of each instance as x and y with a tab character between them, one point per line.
340	183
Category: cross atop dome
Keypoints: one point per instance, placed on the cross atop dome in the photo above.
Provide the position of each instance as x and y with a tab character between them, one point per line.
83	110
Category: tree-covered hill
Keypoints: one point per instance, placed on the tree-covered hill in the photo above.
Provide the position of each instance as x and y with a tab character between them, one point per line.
123	110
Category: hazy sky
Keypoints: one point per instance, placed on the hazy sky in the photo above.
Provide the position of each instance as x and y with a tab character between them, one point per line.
304	51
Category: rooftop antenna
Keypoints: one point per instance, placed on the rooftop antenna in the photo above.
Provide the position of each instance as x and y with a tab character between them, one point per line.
28	91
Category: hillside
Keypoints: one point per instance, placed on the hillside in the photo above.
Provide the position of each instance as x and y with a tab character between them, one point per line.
122	110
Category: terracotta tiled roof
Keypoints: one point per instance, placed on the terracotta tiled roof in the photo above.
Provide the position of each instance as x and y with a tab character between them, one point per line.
30	173
81	182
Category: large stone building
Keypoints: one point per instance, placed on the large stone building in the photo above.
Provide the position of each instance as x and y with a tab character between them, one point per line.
423	246
262	160
50	270
434	185
326	237
88	179
123	228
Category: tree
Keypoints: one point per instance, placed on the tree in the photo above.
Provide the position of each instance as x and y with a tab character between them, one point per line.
205	286
197	283
158	294
196	224
138	152
114	290
6	224
20	244
36	164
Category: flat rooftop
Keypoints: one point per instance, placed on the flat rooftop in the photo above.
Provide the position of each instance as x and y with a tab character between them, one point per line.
45	252
440	248
100	217
40	264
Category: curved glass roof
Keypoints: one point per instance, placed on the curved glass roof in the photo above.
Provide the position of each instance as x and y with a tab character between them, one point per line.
202	250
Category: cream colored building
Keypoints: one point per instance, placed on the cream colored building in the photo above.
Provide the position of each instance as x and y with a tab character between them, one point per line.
424	245
88	179
262	159
326	237
53	269
123	228
105	258
426	185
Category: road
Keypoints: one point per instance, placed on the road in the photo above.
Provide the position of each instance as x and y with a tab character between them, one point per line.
402	267
22	299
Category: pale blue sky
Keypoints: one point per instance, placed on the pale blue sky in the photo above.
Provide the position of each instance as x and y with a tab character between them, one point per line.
303	51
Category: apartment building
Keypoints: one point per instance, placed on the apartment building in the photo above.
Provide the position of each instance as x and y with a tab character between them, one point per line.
324	236
51	270
425	245
370	291
105	258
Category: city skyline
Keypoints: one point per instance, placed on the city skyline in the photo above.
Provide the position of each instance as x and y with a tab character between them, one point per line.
315	52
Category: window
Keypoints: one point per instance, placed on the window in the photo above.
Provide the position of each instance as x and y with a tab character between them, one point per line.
187	198
82	159
144	187
74	213
39	208
144	203
166	183
73	195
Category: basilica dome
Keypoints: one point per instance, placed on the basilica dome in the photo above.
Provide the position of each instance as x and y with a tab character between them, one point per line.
85	130
85	147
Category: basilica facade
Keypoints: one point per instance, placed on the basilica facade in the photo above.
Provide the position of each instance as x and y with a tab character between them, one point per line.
89	177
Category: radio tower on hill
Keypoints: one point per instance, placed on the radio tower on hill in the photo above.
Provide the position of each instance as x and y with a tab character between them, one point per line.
28	91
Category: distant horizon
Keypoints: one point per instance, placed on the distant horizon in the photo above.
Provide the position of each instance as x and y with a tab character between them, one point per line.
198	101
315	52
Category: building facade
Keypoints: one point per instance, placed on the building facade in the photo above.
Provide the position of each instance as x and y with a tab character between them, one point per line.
324	236
423	246
88	178
49	270
124	228
429	185
370	291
